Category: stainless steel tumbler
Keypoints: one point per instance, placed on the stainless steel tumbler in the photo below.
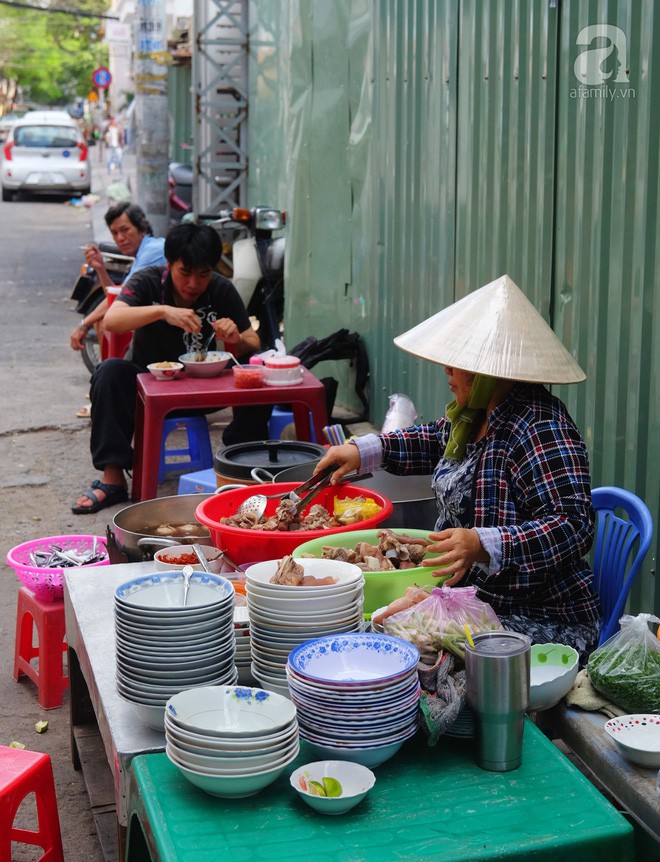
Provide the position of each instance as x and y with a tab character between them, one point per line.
497	679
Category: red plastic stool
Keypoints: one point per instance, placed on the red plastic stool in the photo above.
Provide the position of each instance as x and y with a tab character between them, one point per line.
21	773
48	617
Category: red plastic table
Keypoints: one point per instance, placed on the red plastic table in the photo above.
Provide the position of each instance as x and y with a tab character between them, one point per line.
157	398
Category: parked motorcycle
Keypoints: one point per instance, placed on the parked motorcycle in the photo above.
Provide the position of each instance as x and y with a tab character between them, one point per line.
179	200
88	293
257	264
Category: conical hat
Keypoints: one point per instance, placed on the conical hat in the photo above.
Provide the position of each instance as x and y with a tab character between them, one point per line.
495	331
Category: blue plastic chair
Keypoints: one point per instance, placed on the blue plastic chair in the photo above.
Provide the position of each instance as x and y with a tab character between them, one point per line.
619	550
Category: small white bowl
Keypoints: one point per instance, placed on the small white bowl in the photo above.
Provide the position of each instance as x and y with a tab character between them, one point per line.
553	668
637	737
214	363
165	370
213	556
355	780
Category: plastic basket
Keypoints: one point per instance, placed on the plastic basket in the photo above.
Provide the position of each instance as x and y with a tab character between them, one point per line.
259	545
48	584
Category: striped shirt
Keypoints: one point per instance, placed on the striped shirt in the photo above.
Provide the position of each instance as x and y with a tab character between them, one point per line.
532	485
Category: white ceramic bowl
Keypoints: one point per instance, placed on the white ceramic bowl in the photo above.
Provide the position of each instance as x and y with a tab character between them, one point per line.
164	591
354	658
165	370
371	756
232	711
344	573
213	555
355	780
637	737
233	787
214	363
553	668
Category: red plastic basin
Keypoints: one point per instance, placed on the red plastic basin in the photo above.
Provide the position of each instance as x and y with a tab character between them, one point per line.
255	546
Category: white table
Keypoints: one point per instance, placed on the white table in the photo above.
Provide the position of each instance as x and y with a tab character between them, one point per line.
96	708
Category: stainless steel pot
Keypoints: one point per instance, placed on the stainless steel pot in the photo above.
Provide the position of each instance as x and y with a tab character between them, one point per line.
129	536
413	498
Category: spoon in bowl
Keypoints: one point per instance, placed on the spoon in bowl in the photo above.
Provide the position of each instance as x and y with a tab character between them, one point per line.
187	572
200	355
202	558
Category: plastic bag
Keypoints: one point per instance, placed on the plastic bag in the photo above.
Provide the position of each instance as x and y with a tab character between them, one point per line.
439	622
401	414
351	510
626	668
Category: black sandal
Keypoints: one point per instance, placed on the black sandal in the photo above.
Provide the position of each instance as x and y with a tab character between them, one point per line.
113	494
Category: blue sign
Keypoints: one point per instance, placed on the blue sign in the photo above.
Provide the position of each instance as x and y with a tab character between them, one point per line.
101	77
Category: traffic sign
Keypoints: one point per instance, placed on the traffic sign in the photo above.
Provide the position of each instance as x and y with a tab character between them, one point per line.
101	77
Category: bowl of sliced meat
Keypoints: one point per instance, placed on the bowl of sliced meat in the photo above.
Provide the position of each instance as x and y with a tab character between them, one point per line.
392	560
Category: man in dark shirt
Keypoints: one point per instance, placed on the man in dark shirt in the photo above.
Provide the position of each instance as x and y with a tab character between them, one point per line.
173	310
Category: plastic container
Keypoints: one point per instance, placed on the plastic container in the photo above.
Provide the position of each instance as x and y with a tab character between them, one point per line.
48	584
259	545
248	376
380	588
283	371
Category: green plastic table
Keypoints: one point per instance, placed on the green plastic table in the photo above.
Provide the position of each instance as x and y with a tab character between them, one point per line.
427	803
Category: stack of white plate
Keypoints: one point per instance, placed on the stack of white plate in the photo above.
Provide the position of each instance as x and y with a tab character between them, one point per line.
164	647
231	741
243	658
357	695
283	617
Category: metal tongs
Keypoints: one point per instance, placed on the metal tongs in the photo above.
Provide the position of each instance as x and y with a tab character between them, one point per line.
257	502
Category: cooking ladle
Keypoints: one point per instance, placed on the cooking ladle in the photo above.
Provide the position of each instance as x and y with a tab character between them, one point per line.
187	572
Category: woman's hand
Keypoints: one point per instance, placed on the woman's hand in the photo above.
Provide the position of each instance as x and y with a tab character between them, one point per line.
347	456
460	549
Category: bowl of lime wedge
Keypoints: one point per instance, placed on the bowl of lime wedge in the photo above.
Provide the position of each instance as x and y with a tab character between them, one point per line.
332	786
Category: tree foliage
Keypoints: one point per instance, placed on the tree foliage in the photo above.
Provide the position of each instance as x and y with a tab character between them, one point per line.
52	55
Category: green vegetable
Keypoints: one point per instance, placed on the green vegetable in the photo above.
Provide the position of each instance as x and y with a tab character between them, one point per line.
626	668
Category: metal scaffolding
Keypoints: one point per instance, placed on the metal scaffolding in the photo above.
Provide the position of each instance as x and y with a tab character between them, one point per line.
220	85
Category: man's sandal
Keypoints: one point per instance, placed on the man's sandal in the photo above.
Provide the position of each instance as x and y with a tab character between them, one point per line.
113	494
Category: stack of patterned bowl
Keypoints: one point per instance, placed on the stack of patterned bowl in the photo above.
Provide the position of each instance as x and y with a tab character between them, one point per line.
231	741
283	617
357	695
164	647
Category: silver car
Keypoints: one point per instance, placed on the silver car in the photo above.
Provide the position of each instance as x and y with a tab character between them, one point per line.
45	152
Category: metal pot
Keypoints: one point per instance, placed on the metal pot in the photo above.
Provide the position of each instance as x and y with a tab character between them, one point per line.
129	539
235	463
413	498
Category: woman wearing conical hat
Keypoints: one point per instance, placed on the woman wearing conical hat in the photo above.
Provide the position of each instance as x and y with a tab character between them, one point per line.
510	469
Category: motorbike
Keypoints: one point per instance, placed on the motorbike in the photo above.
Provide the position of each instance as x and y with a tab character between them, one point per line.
180	185
88	293
257	264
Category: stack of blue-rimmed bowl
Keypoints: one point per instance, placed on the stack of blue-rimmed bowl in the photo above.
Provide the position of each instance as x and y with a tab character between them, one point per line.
164	646
357	695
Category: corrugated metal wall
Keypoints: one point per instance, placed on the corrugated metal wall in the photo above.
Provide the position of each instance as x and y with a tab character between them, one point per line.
427	147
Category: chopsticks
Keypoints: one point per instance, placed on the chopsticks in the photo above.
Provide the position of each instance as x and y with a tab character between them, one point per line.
334	434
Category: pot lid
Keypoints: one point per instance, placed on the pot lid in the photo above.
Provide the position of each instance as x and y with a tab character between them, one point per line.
238	461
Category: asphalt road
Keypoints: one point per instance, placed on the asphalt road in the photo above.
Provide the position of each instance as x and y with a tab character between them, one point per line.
44	460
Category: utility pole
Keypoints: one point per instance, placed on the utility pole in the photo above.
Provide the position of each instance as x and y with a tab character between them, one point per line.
152	123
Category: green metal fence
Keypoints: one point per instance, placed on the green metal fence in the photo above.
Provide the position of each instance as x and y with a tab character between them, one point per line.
424	147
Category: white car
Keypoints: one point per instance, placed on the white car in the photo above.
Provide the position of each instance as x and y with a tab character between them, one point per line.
45	152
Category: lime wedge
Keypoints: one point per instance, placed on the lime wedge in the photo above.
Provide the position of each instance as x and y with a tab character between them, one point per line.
331	787
316	789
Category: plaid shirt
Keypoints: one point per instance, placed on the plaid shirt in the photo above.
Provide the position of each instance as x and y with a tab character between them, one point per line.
532	483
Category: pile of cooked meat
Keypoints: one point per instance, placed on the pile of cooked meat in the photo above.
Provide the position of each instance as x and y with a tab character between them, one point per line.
289	573
285	518
393	551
